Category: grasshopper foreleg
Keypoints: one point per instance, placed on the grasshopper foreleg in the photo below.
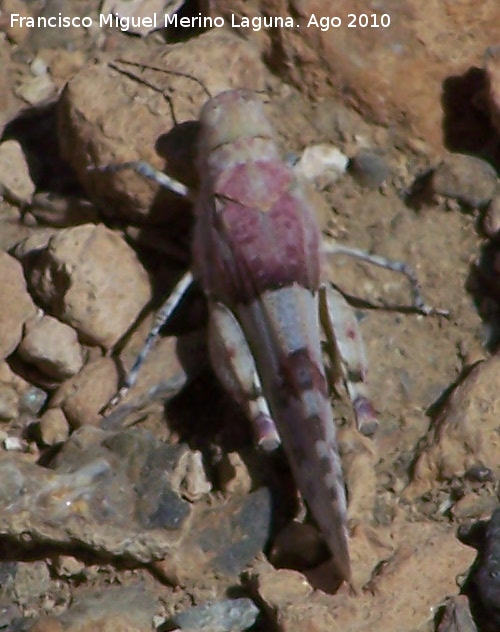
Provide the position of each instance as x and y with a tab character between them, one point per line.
400	267
145	169
347	355
234	365
161	317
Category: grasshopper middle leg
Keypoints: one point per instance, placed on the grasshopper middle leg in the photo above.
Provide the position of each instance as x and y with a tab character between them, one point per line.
419	305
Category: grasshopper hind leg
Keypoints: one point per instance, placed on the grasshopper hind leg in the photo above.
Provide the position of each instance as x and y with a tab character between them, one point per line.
344	336
234	365
347	354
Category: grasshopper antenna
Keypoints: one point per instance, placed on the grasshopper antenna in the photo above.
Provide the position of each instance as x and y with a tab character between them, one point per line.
177	73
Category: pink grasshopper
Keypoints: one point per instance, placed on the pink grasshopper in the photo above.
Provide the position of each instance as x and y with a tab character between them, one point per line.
257	254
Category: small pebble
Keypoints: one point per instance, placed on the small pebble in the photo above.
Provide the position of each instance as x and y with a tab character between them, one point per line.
479	474
38	67
67	566
323	164
194	484
36	89
369	169
32	401
13	444
233	474
298	546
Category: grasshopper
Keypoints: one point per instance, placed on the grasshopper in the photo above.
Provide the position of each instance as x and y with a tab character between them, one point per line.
258	255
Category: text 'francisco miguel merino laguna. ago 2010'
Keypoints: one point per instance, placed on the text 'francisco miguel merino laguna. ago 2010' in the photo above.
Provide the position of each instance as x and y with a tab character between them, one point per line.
324	23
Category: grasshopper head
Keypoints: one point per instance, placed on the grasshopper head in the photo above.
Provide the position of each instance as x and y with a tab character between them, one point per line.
230	116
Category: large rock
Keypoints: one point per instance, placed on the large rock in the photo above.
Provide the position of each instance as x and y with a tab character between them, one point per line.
53	347
465	434
17	305
127	609
91	279
121	495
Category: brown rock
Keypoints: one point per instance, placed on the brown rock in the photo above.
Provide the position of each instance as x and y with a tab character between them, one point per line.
17	396
10	389
27	583
53	426
16	32
33	243
390	75
298	546
492	69
70	36
224	540
53	348
233	474
6	105
15	177
67	566
83	396
465	434
36	90
428	553
280	588
128	609
491	219
47	624
17	305
9	402
64	63
472	506
91	279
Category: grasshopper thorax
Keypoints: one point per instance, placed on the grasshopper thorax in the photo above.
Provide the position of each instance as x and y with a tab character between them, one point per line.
230	116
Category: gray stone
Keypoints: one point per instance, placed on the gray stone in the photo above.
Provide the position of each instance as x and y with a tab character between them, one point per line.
369	169
230	615
469	180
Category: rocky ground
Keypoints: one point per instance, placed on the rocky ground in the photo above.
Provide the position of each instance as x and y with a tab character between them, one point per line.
162	515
